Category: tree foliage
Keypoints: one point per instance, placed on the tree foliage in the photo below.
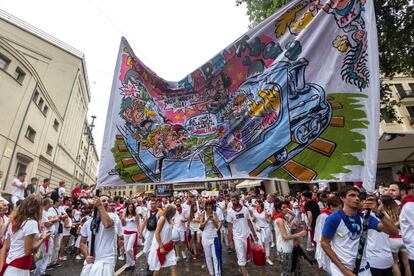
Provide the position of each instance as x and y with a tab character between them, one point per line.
395	24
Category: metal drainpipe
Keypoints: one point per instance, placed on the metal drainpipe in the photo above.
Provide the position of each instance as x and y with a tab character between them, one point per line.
18	137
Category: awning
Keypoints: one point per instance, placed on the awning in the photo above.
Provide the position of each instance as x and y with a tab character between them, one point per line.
395	149
249	184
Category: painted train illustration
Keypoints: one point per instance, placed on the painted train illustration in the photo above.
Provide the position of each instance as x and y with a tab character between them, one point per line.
269	113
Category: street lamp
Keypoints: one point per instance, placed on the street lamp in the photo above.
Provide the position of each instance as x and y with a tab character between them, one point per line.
90	143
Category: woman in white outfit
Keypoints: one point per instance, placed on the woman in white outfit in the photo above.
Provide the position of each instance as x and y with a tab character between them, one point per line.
193	229
163	245
284	239
67	226
130	221
210	224
22	238
261	220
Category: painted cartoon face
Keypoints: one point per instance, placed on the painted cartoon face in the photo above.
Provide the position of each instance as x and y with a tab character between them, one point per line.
217	95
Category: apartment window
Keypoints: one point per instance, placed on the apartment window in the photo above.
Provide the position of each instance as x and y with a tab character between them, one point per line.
36	96
30	134
123	193
56	125
45	110
411	85
21	168
130	192
40	104
4	62
49	149
19	74
410	110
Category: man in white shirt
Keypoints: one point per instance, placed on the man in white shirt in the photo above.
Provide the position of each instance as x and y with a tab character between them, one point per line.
61	189
102	262
57	214
180	220
407	223
239	228
47	224
397	192
343	229
269	205
44	188
18	184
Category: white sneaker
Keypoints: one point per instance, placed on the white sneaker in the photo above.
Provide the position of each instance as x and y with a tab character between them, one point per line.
272	245
78	257
121	258
269	261
184	256
64	258
178	258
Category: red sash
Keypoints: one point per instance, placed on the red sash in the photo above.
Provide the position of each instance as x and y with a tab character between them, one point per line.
24	262
279	215
407	199
167	247
127	232
326	211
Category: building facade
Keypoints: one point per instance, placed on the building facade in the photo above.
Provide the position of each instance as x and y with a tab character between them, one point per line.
44	97
396	145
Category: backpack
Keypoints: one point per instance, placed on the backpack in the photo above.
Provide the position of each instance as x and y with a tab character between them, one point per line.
152	221
55	195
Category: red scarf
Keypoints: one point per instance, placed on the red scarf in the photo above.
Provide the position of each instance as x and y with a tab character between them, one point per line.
128	232
167	247
326	211
237	210
180	210
279	215
407	199
24	262
259	210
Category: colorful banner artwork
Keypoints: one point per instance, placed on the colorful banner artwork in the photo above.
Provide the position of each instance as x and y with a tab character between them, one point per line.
296	98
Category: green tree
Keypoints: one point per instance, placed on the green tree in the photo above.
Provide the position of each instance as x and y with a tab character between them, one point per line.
395	24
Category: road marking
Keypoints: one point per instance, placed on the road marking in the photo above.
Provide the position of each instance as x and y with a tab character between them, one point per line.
119	271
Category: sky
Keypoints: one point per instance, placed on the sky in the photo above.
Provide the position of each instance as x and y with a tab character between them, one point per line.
173	38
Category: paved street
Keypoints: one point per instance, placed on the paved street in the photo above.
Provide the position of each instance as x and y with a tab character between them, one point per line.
193	267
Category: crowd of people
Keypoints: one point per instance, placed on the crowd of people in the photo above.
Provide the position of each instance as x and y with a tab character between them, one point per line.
351	233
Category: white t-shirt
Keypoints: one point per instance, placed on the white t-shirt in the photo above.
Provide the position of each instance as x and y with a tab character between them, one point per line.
268	206
61	191
16	250
239	219
178	224
43	190
18	190
342	244
54	212
378	250
105	240
45	218
407	227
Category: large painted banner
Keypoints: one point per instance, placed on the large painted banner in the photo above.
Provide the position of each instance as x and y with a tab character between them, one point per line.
295	98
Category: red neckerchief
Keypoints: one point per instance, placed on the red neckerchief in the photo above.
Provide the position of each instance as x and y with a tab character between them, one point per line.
279	215
259	210
180	209
326	211
407	199
237	210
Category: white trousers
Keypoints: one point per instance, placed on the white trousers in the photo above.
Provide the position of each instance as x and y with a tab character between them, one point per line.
265	236
54	249
241	250
149	235
43	262
224	234
98	269
129	241
211	257
14	271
